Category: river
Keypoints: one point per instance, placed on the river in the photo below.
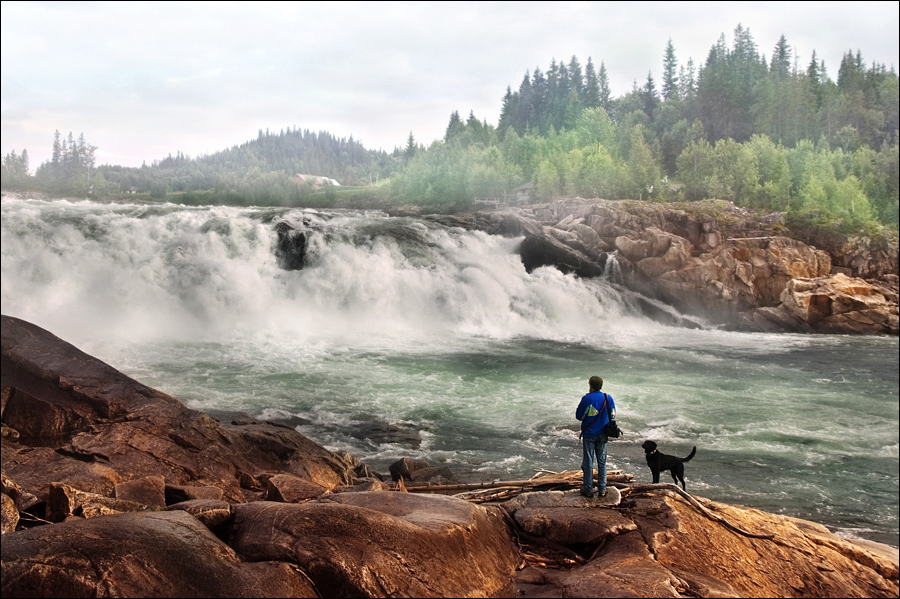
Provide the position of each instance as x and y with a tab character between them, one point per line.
402	337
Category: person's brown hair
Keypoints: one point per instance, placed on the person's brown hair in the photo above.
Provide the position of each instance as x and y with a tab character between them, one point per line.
596	383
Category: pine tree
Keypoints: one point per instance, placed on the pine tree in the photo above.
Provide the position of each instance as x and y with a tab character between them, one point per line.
576	76
410	150
686	75
814	79
57	149
605	94
455	126
507	112
539	101
524	118
780	66
649	97
591	86
670	79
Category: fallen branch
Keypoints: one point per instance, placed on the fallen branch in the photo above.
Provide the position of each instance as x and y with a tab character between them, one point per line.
669	488
567	479
32	518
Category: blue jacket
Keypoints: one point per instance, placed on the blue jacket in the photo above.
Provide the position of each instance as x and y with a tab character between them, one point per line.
592	419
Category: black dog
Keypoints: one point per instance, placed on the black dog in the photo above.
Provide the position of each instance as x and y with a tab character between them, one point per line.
659	462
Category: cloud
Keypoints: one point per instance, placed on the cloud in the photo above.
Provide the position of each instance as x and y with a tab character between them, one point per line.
142	80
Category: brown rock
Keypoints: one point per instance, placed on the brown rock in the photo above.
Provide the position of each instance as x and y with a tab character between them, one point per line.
34	468
179	493
725	265
366	484
573	525
288	488
101	422
840	304
24	500
624	569
149	490
405	467
441	475
779	565
152	554
64	501
671	549
634	250
9	514
512	224
383	544
211	512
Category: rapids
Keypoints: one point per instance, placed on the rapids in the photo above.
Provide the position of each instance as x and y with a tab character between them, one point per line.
402	337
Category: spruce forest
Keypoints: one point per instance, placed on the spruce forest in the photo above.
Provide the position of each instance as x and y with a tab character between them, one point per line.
766	133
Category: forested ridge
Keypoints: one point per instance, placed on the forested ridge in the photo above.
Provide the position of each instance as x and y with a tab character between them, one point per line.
764	132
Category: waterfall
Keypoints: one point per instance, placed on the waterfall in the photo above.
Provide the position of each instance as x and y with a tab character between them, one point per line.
186	272
613	270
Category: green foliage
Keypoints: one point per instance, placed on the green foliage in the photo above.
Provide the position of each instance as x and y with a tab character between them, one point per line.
727	171
594	127
773	184
454	173
761	134
258	172
643	168
15	170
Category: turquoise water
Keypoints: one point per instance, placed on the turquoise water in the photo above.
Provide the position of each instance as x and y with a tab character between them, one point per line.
404	338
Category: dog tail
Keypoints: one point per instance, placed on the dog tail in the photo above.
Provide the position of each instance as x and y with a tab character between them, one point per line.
690	455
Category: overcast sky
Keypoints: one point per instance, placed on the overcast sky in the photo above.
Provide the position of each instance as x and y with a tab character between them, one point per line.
142	80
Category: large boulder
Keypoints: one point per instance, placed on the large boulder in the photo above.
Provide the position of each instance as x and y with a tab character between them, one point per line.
290	249
548	250
377	544
83	423
658	544
832	304
157	554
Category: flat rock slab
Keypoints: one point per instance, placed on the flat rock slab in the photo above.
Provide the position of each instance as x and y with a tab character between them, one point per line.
553	499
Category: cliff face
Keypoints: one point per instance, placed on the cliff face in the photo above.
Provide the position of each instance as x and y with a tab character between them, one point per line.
111	488
717	262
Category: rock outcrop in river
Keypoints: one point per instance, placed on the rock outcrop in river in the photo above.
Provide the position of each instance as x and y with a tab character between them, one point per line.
717	262
113	489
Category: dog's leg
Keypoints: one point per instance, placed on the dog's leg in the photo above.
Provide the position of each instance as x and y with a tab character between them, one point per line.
678	473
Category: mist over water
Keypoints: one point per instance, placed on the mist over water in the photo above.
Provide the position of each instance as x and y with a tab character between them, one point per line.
402	337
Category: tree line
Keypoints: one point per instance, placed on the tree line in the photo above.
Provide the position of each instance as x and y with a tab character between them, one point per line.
259	171
767	133
763	133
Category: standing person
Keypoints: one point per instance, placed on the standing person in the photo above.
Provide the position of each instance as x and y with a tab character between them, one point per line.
595	411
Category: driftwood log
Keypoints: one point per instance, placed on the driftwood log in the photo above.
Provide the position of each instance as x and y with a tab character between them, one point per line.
501	490
546	480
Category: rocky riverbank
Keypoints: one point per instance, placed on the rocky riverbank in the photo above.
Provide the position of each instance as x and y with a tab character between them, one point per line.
111	488
711	260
